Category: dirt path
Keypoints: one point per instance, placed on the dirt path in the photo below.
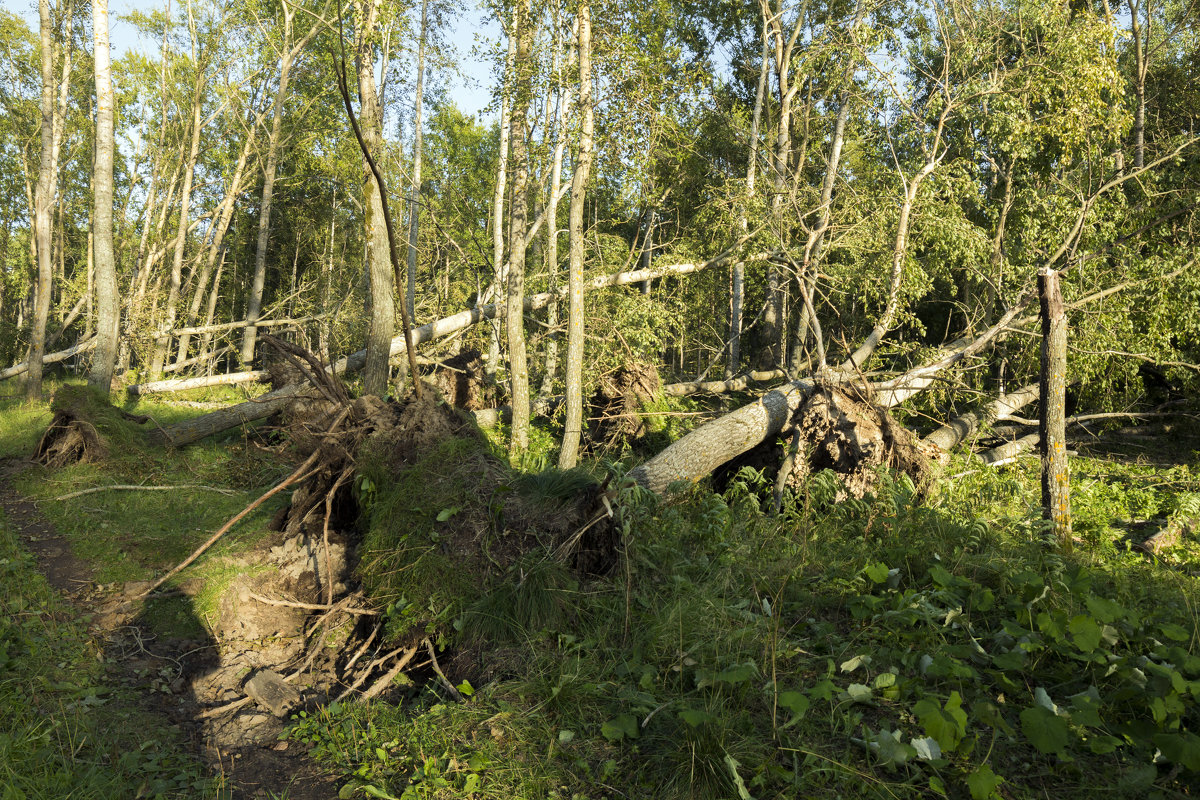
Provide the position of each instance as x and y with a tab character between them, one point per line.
159	670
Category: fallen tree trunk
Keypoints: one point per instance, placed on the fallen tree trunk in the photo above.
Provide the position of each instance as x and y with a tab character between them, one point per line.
189	431
1009	451
709	446
966	425
50	358
193	430
736	384
183	384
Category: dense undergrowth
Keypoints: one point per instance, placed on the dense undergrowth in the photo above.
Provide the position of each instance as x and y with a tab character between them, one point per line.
898	646
886	647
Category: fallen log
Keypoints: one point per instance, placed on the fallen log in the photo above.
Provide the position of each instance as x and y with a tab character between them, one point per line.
50	358
703	450
966	425
1009	451
736	384
183	384
193	430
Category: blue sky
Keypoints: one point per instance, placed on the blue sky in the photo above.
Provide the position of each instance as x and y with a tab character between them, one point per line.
471	93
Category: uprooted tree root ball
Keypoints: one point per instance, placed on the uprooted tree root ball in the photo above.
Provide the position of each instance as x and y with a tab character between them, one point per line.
400	525
614	408
838	428
83	427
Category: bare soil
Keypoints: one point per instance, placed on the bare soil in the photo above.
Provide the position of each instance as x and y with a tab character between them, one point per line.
162	671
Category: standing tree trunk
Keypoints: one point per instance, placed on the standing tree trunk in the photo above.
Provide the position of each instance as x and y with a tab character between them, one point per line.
108	308
43	198
583	165
738	288
414	201
216	246
287	57
518	366
171	310
382	281
493	356
1056	495
560	143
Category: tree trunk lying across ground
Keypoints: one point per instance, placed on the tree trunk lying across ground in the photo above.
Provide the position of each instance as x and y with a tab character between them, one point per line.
193	430
184	384
50	358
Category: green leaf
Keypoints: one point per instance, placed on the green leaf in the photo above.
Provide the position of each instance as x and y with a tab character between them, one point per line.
795	702
738	783
447	513
947	724
466	689
471	784
876	573
927	748
739	674
1105	610
851	664
694	717
565	736
1044	729
858	692
984	783
623	727
1085	632
885	679
1180	748
1085	708
1176	632
375	791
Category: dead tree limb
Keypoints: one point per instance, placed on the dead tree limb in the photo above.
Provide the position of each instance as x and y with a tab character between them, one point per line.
183	384
964	426
50	358
193	430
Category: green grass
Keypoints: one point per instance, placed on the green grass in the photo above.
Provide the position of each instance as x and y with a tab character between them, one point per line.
64	731
889	647
878	648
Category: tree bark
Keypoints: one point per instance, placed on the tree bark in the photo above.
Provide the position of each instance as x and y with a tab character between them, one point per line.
414	201
518	366
107	306
382	322
967	425
573	425
258	281
551	211
493	355
215	248
738	278
1056	496
43	198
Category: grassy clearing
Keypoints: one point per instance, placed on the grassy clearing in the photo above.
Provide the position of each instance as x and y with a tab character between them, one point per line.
64	730
131	535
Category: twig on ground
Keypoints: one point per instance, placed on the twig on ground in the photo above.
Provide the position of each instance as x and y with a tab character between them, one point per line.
288	481
438	670
366	612
385	680
131	487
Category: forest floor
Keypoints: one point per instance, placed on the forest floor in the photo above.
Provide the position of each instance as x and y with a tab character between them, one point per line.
904	645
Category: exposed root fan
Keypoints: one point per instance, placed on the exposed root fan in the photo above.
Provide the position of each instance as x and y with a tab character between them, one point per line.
613	410
82	427
836	428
